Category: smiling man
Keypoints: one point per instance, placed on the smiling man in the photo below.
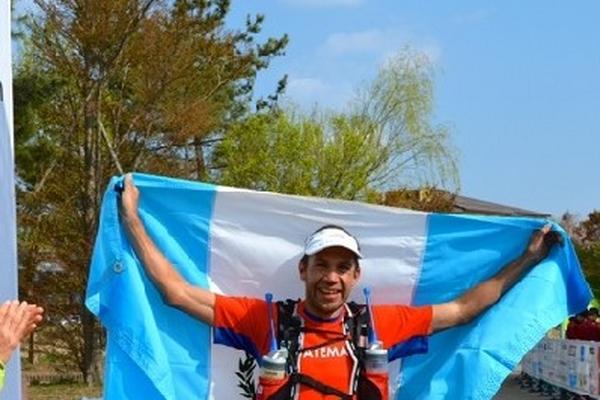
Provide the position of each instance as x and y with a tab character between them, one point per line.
333	255
326	341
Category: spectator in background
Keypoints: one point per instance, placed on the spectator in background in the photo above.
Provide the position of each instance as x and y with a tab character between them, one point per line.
572	328
584	326
17	321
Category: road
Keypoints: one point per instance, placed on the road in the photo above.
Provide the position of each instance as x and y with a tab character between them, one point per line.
512	391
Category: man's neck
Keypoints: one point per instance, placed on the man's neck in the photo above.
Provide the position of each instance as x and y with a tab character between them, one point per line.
319	316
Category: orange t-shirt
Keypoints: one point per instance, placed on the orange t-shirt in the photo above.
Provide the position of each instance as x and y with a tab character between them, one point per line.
243	323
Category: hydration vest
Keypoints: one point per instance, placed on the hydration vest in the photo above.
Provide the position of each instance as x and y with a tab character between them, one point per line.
357	323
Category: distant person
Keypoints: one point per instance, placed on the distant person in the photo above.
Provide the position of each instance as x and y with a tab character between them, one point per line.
17	321
572	328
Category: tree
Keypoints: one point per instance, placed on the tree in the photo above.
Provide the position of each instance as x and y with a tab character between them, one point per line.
385	140
295	154
427	199
590	228
588	249
117	85
590	262
399	104
586	238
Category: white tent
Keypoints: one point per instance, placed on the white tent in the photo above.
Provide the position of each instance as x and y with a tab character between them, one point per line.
8	243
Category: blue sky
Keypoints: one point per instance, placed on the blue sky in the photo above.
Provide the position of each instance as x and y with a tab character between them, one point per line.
519	82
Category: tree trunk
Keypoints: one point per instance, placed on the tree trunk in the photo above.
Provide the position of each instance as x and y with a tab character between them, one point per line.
200	164
88	203
88	322
30	351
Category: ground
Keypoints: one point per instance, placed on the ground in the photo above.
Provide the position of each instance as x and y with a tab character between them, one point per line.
510	391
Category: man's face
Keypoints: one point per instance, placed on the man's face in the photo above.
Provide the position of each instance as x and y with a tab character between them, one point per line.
329	277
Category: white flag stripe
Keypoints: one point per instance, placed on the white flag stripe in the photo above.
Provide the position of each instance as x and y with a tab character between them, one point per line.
257	239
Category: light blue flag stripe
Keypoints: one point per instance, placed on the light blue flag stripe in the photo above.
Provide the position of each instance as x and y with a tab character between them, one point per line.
154	351
470	362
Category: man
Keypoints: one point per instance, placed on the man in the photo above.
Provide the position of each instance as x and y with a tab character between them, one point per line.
330	269
17	321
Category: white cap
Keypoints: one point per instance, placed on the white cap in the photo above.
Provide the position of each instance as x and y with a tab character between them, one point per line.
331	237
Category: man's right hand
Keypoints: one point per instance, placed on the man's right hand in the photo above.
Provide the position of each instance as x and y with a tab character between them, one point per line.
130	198
176	291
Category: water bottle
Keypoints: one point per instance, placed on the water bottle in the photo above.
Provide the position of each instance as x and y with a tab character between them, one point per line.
376	358
273	364
375	371
272	376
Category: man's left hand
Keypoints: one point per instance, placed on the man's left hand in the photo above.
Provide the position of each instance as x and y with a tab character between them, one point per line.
541	242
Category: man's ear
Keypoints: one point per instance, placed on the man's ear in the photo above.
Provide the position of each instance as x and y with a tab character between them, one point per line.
302	270
357	272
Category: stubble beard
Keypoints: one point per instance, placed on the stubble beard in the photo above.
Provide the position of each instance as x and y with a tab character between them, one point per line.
326	309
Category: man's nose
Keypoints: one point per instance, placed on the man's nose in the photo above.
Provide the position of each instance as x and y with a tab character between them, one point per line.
331	275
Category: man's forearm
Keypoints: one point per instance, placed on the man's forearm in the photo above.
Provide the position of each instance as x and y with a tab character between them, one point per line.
489	292
158	268
174	288
472	303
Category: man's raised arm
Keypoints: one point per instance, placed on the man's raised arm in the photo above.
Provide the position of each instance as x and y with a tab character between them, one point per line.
176	291
478	299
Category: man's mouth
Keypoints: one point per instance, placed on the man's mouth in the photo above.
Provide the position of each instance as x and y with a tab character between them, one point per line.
327	293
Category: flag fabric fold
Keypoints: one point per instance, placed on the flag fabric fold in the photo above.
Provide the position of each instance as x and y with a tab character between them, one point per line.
242	242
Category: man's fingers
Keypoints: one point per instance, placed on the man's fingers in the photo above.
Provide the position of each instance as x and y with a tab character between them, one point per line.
540	233
551	238
128	181
546	228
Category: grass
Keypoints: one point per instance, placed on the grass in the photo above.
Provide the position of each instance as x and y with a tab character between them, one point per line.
51	379
72	391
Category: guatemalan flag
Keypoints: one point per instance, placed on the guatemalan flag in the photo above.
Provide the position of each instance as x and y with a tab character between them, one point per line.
242	242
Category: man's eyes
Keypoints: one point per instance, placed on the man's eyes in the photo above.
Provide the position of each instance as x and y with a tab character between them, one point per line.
340	268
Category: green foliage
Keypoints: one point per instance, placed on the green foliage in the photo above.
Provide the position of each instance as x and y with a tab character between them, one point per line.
589	256
109	86
586	237
385	140
591	228
399	105
425	199
587	243
315	156
245	374
35	149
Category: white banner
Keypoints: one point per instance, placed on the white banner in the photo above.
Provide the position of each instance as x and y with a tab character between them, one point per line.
8	244
570	364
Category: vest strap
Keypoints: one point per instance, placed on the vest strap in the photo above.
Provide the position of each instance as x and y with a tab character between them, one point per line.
298	377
